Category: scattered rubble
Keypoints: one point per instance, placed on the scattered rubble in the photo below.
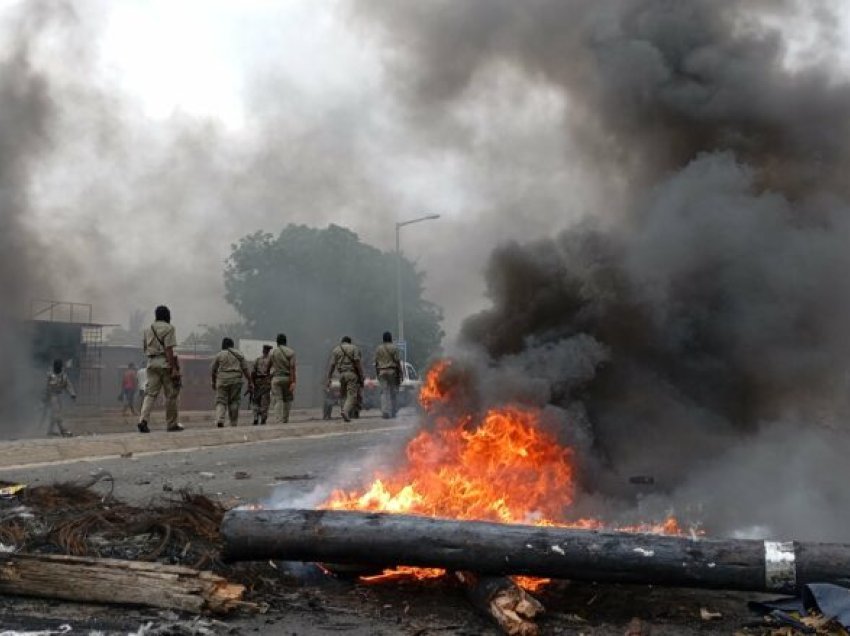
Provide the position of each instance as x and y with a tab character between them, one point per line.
84	525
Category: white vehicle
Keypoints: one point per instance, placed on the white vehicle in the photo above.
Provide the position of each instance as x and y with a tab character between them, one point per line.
408	391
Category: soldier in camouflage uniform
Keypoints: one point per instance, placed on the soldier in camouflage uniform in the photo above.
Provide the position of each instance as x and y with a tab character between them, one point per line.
163	370
389	374
58	384
345	359
261	374
282	368
228	368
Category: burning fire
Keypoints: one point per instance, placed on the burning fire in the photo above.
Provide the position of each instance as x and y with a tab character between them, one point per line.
502	470
501	466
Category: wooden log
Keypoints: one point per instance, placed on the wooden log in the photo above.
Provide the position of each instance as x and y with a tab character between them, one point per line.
116	581
498	549
505	602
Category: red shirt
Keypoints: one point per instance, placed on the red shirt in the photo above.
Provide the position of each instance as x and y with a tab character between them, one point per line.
129	382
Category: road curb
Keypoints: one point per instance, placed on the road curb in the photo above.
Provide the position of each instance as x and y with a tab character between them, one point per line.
46	451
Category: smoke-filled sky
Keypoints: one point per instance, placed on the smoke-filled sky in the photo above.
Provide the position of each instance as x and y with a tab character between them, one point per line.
181	126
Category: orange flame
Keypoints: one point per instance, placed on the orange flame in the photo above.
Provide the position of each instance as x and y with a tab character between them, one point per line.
499	467
504	470
431	392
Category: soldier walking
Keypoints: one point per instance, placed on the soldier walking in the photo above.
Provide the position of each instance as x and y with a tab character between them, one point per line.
58	384
228	368
262	377
345	359
163	371
389	373
282	368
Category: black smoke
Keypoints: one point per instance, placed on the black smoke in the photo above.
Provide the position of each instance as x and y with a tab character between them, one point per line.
716	278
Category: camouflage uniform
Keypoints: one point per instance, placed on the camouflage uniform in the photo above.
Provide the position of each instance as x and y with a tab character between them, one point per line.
282	367
261	373
345	359
57	385
159	336
228	367
388	369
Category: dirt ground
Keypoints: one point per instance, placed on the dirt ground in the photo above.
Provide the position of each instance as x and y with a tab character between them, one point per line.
322	605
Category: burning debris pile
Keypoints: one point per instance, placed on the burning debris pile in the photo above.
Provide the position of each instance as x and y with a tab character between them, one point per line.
468	463
485	493
500	464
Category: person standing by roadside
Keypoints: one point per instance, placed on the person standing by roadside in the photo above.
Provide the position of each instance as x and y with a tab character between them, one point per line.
345	359
261	374
58	383
163	372
228	368
282	368
389	374
129	386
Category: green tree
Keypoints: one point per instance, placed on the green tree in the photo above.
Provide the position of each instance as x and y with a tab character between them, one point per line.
317	285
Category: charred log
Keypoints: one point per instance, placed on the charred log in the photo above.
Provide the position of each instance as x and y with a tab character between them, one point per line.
502	600
497	549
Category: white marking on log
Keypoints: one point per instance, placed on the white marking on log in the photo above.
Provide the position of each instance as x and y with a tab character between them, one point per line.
780	566
712	565
529	546
558	549
644	552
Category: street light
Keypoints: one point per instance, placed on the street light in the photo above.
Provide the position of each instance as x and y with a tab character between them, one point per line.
399	298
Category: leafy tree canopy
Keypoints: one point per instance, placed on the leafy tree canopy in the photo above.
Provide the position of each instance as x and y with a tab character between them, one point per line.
317	285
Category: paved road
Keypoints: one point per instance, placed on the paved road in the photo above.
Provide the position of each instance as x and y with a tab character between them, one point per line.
284	469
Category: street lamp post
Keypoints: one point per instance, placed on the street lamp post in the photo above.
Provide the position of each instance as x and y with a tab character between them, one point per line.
399	295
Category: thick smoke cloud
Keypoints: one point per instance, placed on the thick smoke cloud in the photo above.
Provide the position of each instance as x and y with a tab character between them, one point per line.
715	277
140	211
648	84
27	114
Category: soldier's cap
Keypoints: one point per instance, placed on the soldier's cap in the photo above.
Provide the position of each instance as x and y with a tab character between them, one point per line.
267	347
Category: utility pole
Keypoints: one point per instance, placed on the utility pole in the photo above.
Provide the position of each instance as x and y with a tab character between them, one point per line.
399	294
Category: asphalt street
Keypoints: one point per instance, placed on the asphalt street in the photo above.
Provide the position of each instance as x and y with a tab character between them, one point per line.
282	470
